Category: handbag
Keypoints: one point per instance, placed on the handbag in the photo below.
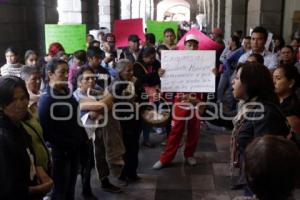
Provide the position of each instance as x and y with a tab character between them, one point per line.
153	92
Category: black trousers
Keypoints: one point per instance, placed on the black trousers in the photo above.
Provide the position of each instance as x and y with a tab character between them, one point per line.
131	143
87	163
65	169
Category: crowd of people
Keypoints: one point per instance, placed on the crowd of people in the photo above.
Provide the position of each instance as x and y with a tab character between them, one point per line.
62	114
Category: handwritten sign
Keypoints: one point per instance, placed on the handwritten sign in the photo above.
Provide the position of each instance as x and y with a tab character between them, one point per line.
72	37
158	28
188	71
124	28
205	43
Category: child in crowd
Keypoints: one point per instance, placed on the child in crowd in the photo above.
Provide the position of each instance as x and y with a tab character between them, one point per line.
31	58
12	66
79	60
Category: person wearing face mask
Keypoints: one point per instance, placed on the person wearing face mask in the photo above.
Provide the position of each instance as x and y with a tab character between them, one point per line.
12	66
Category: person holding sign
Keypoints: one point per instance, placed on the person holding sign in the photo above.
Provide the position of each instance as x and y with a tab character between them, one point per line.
183	118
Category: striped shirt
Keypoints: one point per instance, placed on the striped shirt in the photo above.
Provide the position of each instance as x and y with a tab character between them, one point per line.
11	70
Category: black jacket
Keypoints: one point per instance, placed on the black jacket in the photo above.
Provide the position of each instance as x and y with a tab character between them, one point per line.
14	160
141	72
127	54
272	122
132	125
59	120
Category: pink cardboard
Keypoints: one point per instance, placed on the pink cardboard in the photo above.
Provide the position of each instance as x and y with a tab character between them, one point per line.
124	28
205	43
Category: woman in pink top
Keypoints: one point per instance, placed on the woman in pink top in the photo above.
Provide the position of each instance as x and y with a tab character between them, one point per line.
80	60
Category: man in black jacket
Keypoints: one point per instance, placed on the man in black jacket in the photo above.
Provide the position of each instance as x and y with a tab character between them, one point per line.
132	51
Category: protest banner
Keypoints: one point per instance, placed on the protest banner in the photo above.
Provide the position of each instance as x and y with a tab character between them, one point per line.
72	37
157	28
188	71
123	28
205	43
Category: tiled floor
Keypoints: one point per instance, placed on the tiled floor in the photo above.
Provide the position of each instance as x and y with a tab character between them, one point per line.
209	180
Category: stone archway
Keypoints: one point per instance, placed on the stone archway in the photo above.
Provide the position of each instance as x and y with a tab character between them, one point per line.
177	10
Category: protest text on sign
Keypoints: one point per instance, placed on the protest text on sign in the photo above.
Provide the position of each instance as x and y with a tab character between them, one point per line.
188	71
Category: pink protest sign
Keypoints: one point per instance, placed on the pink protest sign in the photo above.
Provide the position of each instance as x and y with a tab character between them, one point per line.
124	28
205	43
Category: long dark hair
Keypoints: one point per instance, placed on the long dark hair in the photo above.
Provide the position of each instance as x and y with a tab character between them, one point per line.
258	82
7	87
145	52
272	167
291	73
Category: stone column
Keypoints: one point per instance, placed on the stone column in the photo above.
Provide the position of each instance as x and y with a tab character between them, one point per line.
90	12
106	13
22	25
125	9
254	14
194	10
267	13
235	14
271	15
70	11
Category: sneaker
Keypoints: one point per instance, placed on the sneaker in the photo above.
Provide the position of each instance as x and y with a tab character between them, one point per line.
111	188
164	143
191	161
157	165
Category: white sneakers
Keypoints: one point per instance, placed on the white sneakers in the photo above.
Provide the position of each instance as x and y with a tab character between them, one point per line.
191	161
157	165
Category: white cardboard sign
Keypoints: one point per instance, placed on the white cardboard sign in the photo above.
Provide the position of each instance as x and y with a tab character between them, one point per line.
188	71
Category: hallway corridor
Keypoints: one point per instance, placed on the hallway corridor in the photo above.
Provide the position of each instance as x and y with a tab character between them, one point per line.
209	180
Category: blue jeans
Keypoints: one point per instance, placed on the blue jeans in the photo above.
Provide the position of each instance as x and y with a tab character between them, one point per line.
65	169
